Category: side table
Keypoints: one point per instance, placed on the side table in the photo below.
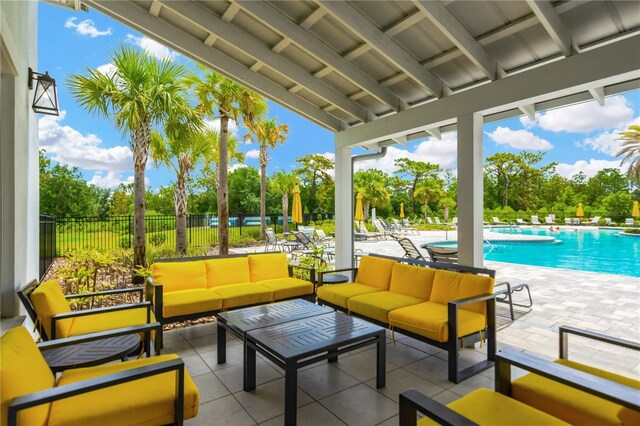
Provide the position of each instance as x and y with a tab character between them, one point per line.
333	279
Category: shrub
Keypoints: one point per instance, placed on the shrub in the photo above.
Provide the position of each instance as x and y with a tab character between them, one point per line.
158	238
631	230
125	242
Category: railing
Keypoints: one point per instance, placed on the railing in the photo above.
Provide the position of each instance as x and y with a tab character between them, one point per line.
114	232
47	243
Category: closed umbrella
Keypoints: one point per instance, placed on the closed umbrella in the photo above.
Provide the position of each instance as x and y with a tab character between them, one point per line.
580	212
401	210
296	210
636	209
359	214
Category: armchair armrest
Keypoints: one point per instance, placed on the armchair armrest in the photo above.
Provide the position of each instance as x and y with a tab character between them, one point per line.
107	293
412	401
565	330
68	315
312	271
73	389
473	299
50	344
452	319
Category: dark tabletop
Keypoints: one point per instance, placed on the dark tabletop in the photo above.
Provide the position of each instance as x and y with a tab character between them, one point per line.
334	278
309	335
90	353
243	320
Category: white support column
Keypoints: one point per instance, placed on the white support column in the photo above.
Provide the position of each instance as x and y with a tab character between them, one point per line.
344	208
470	190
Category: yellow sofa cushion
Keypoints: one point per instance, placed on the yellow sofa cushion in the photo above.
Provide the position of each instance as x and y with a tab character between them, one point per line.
286	288
148	401
48	300
412	280
264	267
176	276
108	321
186	302
375	272
431	319
448	286
338	294
486	407
242	294
378	305
225	271
572	405
23	371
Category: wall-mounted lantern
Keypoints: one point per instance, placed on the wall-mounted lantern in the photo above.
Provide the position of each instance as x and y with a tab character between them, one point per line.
45	99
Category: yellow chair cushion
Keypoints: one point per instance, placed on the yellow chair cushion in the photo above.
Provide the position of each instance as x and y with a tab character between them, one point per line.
225	271
486	407
375	272
286	288
48	300
448	286
378	305
412	280
108	321
185	302
148	401
431	320
242	295
264	267
176	276
569	404
23	371
338	294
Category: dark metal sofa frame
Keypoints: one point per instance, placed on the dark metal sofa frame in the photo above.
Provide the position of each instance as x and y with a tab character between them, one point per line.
455	342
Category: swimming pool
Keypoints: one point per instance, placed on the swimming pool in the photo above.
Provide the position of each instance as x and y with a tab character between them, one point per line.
588	249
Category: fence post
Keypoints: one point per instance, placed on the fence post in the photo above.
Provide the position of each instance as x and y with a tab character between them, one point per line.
130	226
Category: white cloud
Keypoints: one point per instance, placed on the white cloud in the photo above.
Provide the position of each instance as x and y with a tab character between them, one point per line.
607	142
520	139
107	69
70	147
87	27
589	168
110	180
232	127
253	154
236	166
584	117
152	47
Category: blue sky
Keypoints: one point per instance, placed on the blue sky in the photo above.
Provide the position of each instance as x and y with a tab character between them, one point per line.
580	138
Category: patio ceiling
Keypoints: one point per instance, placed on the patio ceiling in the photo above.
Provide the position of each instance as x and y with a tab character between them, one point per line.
375	71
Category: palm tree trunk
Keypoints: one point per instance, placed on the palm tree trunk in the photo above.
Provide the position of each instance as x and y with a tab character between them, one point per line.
263	158
446	213
223	187
367	204
140	148
180	198
285	212
426	209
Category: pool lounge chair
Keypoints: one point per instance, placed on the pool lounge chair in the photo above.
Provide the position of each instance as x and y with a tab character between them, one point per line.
594	221
607	221
629	222
497	221
535	221
410	250
381	229
568	221
454	223
549	220
441	254
429	221
520	221
362	230
406	229
322	238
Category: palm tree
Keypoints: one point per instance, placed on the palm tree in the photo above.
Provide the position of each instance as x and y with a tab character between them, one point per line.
630	149
446	203
182	150
282	183
429	189
140	92
210	173
232	102
372	184
268	134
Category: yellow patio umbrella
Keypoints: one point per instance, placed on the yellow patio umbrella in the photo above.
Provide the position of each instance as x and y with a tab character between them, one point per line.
636	209
401	210
359	214
580	212
296	210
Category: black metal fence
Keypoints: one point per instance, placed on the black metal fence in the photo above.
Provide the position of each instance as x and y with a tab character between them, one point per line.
47	243
117	231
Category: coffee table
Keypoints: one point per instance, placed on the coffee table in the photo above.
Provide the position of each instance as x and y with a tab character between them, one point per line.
295	344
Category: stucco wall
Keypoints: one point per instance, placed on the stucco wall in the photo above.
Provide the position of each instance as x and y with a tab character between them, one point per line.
19	201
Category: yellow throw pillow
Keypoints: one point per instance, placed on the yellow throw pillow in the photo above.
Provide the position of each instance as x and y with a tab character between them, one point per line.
268	266
48	300
225	271
413	281
23	371
375	272
176	276
448	286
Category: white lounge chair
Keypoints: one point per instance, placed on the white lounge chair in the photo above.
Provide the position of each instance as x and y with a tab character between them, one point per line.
430	221
549	220
520	221
497	221
607	221
437	219
594	221
535	221
568	221
629	222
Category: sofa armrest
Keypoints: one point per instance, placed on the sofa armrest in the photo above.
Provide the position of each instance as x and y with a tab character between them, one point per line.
50	344
139	290
565	330
412	402
154	292
452	319
86	312
312	271
73	389
473	299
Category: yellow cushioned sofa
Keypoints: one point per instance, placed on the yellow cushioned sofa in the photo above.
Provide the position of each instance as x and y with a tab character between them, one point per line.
148	391
189	288
435	305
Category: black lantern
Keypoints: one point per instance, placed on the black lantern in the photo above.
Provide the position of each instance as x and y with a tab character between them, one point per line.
45	99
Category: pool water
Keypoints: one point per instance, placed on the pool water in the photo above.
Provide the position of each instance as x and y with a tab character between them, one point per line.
597	250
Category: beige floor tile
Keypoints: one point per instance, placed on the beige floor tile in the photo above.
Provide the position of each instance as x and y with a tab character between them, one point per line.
210	387
225	411
360	405
400	380
232	376
267	400
312	414
362	365
323	380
